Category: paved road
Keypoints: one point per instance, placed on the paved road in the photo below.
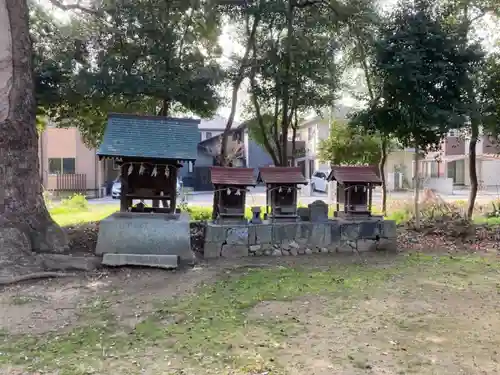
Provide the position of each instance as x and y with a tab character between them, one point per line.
257	197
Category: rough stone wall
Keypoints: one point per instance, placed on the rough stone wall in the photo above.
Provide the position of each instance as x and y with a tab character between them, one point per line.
282	239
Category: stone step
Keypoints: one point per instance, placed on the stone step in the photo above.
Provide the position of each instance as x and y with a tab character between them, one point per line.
150	260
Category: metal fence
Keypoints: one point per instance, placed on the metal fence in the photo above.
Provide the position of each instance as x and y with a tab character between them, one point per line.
72	183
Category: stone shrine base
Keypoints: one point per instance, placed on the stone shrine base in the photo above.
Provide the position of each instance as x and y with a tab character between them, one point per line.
303	237
147	239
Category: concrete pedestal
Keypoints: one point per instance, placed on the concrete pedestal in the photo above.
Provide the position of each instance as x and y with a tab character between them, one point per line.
146	234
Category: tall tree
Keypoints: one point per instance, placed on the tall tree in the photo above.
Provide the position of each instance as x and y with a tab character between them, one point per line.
463	16
359	43
248	16
293	68
422	72
349	146
489	96
26	229
148	56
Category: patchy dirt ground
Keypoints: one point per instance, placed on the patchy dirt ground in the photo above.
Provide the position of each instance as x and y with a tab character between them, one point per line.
303	315
53	305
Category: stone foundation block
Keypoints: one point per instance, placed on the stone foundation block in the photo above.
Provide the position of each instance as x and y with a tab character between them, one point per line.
388	229
234	251
215	233
320	235
349	231
334	231
159	261
212	250
259	234
369	229
146	234
387	244
367	245
284	232
237	236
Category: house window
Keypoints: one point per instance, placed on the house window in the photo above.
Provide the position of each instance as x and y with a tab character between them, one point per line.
434	169
208	135
62	165
116	166
237	136
309	133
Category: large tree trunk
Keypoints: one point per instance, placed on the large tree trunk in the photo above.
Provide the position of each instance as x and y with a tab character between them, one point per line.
25	224
472	167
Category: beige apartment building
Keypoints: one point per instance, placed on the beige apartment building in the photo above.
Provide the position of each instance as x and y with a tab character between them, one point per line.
67	165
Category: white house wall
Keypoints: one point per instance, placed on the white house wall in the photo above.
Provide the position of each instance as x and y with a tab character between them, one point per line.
490	172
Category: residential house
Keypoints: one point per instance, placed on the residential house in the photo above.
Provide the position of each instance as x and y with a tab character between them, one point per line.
399	172
452	161
212	127
67	164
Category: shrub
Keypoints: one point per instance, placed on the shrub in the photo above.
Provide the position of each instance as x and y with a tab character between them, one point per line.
198	213
77	202
493	211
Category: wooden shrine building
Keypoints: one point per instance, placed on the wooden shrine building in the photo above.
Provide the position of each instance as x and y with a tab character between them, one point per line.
230	188
354	189
149	151
281	191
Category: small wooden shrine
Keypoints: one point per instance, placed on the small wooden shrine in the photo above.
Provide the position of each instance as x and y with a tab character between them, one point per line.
230	188
282	184
149	151
355	186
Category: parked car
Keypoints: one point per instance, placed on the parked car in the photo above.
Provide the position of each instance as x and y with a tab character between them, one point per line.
117	188
319	182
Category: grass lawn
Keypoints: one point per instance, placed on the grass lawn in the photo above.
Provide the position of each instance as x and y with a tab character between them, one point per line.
323	315
95	212
71	216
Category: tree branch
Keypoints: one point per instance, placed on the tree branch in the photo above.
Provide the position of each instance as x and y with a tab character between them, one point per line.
75	6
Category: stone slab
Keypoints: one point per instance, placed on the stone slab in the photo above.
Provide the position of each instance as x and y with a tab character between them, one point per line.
234	251
320	235
212	250
259	234
159	261
334	231
388	229
215	233
369	229
284	232
237	236
146	234
318	211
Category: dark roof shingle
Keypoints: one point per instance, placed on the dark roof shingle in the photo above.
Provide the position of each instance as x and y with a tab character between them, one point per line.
281	175
355	174
232	176
150	137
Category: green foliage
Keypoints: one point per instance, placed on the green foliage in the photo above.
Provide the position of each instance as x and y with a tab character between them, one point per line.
75	203
261	131
348	146
294	67
494	211
199	213
423	69
489	97
148	56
